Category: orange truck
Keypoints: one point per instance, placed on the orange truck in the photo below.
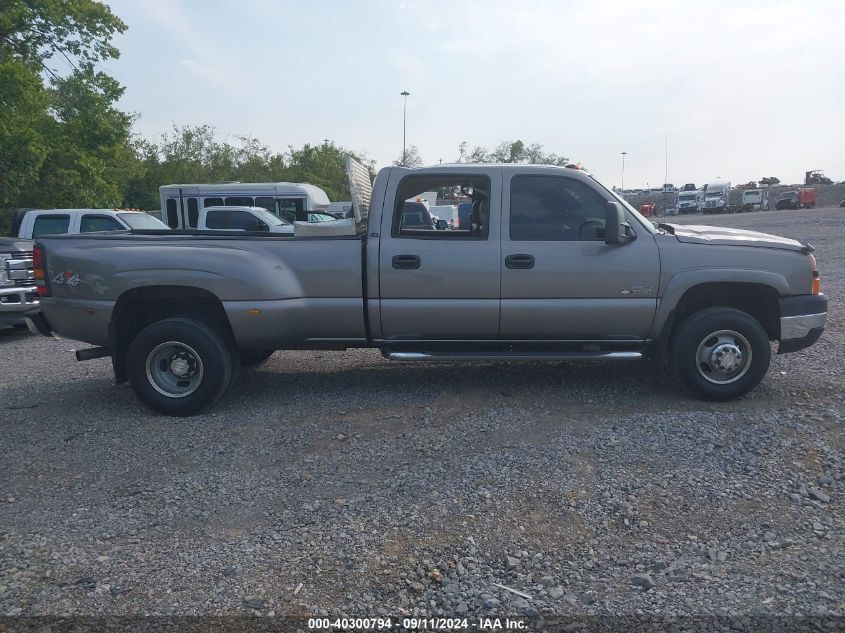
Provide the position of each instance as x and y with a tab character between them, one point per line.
804	198
647	210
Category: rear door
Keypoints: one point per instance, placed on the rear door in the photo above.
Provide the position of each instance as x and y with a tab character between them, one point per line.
440	285
560	281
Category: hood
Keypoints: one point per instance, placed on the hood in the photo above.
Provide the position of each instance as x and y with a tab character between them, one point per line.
697	234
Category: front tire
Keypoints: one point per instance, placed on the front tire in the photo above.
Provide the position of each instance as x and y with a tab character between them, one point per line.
178	366
720	353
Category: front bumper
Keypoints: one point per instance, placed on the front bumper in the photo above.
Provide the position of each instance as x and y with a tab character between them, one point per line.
14	302
802	321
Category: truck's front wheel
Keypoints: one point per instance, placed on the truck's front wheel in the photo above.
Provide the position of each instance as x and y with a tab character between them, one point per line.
720	353
178	366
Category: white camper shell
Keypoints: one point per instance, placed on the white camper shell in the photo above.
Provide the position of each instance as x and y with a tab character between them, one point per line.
181	204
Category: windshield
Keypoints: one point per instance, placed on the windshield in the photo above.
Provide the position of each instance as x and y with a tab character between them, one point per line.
269	218
645	223
684	197
142	221
716	194
320	217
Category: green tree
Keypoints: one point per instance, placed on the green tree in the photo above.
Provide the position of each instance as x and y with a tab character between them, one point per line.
770	180
197	155
89	160
510	152
62	141
409	158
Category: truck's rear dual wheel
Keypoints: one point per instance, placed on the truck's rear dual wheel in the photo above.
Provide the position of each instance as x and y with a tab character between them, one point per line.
179	366
720	353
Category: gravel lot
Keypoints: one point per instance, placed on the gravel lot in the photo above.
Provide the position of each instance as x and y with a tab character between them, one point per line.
340	483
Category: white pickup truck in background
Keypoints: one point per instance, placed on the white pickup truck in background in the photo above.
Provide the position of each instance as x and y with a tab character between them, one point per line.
32	223
242	219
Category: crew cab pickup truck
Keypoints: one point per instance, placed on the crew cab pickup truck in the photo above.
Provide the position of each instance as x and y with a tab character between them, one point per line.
33	223
552	265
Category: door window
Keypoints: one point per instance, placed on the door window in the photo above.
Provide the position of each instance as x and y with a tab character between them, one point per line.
266	203
412	217
95	223
172	214
239	201
50	225
552	208
292	209
242	221
216	219
193	212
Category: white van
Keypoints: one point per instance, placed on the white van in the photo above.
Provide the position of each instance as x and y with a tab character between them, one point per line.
292	201
32	223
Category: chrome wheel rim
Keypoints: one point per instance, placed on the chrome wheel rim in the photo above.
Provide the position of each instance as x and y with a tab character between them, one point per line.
723	357
174	369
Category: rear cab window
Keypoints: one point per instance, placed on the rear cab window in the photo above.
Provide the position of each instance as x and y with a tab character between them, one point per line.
51	224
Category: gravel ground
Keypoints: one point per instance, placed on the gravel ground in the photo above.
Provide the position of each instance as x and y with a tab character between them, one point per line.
340	483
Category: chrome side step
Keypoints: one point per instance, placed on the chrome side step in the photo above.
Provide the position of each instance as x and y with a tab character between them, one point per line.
454	356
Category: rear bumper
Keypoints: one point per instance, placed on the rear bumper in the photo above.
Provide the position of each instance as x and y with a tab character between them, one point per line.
802	321
14	302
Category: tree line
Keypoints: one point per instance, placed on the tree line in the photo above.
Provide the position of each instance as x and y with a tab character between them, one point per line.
65	143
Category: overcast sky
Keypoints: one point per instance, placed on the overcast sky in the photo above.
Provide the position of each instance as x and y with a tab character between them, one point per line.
743	89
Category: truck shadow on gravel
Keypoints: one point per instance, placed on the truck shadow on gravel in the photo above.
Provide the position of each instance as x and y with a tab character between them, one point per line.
638	386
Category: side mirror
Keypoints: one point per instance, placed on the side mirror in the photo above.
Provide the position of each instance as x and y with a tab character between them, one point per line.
613	224
260	226
441	225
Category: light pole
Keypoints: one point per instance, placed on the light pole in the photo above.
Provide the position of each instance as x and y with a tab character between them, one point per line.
404	94
623	170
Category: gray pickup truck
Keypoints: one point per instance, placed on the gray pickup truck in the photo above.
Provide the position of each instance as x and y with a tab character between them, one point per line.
552	265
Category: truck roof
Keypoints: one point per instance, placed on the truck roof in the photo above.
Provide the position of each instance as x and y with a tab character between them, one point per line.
458	168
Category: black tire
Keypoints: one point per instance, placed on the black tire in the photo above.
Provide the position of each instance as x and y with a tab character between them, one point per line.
199	348
251	358
715	334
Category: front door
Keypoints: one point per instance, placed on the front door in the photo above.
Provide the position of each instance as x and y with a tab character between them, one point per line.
560	281
440	284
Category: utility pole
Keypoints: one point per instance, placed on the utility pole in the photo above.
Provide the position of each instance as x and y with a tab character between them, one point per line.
666	173
404	94
623	170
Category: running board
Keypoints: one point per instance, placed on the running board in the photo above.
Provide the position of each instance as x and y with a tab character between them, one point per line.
453	356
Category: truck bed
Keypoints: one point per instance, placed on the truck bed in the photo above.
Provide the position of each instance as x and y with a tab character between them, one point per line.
304	290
